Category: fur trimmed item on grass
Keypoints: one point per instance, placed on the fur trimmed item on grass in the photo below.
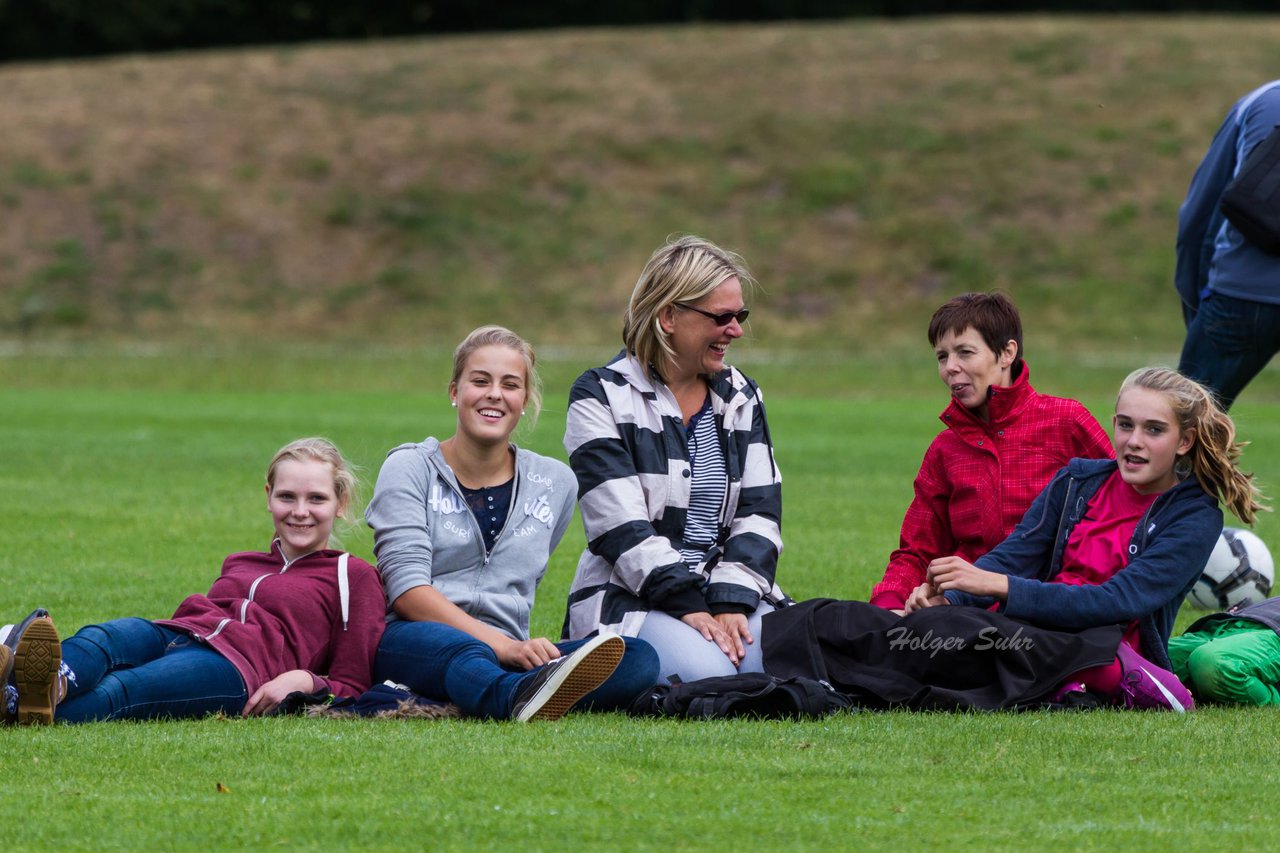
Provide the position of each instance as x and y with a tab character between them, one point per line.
386	701
405	709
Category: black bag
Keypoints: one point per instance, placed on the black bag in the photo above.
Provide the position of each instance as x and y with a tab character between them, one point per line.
750	694
1251	202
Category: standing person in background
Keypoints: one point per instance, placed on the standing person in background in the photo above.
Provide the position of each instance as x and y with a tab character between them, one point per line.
463	529
1230	288
1002	443
680	496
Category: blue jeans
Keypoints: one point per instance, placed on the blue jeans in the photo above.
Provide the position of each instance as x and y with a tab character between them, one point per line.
132	669
440	662
1228	343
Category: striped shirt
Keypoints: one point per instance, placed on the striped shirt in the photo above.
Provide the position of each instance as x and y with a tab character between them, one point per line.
706	492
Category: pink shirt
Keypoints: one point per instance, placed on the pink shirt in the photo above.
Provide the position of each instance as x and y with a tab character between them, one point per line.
1098	545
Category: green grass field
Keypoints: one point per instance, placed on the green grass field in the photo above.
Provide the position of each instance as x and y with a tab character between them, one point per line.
205	255
127	477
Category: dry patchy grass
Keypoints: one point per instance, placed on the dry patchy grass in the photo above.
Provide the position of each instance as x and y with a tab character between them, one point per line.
414	188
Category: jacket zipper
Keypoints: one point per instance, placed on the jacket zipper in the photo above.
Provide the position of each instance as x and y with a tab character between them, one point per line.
485	553
1137	542
253	588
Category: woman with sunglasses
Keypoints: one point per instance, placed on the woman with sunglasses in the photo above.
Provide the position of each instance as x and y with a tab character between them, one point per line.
679	493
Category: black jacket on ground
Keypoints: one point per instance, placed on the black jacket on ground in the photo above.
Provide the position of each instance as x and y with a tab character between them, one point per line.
939	658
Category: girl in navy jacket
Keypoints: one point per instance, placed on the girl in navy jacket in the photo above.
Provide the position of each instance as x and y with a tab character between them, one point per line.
1118	542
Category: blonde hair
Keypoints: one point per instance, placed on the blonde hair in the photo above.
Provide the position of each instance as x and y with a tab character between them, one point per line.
490	336
1215	455
320	450
683	270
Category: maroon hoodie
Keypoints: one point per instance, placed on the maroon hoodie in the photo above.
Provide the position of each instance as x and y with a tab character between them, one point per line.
269	616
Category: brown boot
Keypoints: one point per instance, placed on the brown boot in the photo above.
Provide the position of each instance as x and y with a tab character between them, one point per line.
36	662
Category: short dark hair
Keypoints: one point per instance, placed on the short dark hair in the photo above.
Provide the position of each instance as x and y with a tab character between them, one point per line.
992	315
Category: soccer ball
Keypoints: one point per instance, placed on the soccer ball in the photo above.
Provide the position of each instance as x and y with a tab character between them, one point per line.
1239	572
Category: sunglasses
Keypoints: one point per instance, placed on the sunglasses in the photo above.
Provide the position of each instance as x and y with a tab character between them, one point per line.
720	319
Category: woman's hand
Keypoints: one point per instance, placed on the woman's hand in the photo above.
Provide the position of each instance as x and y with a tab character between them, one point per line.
712	631
425	603
921	597
527	654
954	573
735	627
269	696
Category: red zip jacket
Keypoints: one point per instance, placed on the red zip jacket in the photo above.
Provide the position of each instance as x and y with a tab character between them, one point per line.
269	616
977	479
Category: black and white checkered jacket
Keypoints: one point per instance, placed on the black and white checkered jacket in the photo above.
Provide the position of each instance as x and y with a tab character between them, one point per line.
627	445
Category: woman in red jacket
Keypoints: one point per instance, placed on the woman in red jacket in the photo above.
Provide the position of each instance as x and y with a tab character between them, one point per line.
1002	443
297	618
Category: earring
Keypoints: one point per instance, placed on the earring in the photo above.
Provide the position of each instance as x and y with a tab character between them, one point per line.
522	413
453	403
1182	467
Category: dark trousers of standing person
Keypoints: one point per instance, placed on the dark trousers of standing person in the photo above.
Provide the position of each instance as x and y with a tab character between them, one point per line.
1228	343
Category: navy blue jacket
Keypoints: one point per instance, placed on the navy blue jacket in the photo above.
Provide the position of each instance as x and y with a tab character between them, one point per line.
1170	546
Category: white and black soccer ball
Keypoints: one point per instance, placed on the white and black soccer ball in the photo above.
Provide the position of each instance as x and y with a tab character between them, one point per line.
1239	572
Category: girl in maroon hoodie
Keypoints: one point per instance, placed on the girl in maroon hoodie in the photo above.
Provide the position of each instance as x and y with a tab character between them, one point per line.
297	618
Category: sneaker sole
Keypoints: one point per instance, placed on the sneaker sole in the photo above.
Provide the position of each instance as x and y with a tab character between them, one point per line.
564	691
35	672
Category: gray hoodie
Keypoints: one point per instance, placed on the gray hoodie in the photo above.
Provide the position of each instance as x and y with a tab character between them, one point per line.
424	533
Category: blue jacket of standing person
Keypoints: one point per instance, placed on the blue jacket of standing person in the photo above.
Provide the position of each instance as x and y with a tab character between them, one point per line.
1167	553
1211	253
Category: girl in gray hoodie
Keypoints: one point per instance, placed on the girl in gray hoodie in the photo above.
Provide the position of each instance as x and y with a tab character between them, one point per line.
463	530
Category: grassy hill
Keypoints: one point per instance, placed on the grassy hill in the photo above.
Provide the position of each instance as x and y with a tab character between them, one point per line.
405	191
